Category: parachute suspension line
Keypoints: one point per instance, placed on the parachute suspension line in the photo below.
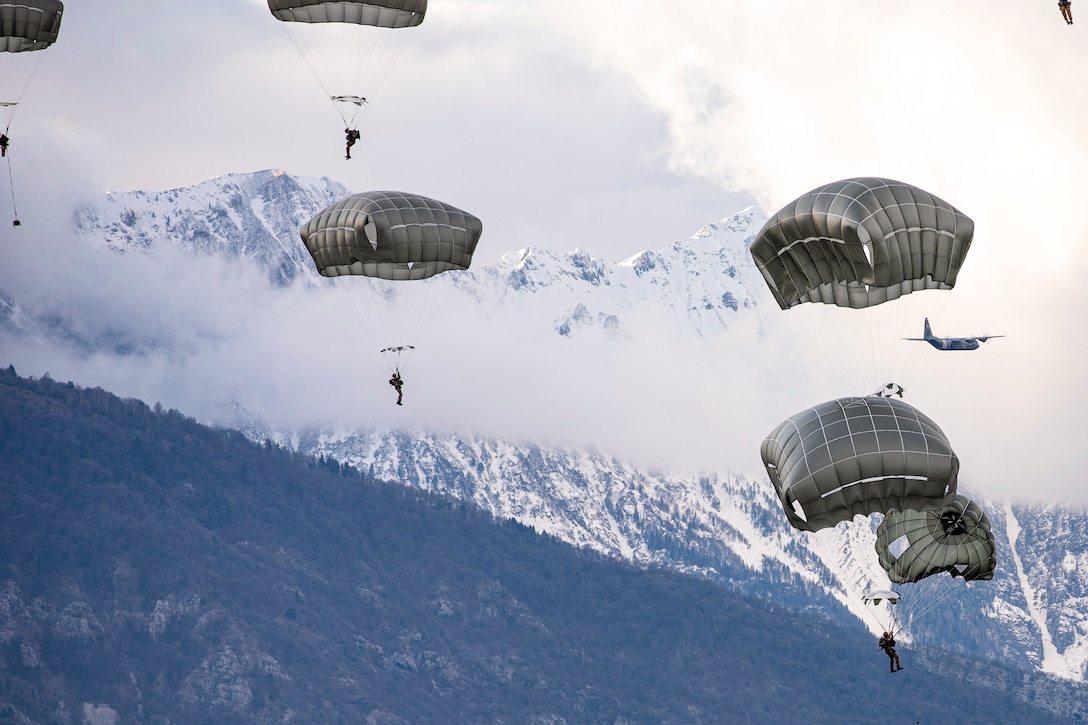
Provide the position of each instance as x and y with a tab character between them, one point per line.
931	602
347	60
816	330
310	52
417	313
302	51
921	358
841	337
11	185
863	346
357	291
389	313
927	596
16	76
394	44
371	75
851	586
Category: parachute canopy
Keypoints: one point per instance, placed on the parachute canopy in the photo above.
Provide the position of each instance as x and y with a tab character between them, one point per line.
861	242
379	13
954	538
391	235
858	455
29	24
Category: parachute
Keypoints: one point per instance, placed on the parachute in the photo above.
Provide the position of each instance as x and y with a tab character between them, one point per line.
858	455
29	24
861	242
835	257
954	538
393	236
381	14
852	246
348	45
26	27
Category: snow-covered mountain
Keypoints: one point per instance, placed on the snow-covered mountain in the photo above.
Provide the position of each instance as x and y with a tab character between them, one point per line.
722	524
257	216
705	281
730	527
240	215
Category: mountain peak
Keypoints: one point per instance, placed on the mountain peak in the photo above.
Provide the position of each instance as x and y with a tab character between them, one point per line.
742	223
243	215
255	216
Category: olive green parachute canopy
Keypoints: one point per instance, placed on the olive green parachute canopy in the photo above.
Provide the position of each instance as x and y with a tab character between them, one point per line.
391	235
861	242
382	14
29	25
858	456
954	538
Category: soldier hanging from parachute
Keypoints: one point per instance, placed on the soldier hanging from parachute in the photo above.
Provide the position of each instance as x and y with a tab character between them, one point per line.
857	244
873	454
349	46
391	236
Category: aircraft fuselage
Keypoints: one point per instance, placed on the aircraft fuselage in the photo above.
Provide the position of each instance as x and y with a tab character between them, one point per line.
954	343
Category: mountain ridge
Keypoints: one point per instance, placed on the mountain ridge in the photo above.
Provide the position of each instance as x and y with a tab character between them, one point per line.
705	288
156	570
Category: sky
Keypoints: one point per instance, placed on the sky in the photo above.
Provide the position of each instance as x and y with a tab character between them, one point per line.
613	126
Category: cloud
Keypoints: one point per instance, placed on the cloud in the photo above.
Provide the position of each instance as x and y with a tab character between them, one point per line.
779	97
558	123
486	106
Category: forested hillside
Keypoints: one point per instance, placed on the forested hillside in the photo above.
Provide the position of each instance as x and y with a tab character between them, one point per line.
155	570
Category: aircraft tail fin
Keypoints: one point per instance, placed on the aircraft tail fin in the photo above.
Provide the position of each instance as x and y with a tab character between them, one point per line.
928	333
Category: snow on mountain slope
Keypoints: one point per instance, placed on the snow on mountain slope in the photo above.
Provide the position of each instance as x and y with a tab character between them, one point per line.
257	216
730	527
706	281
239	215
724	525
1049	551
